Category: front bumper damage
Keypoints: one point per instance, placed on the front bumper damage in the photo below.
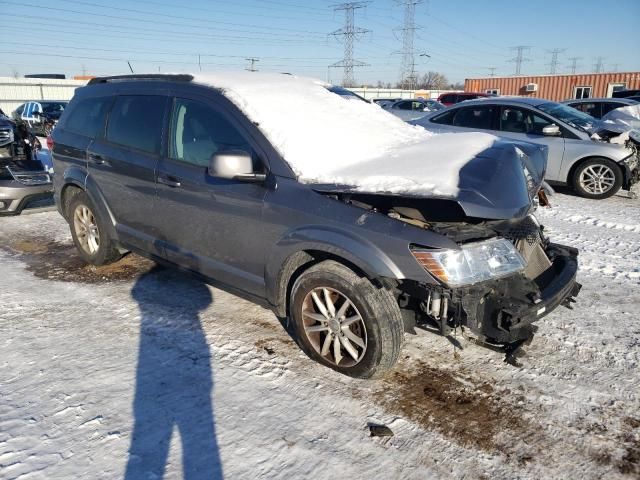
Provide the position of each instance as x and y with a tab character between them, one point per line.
631	171
504	311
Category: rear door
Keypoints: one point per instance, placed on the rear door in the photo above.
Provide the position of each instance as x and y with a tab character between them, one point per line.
210	225
122	165
521	123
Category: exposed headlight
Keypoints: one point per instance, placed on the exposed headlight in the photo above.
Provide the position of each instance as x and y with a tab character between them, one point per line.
473	263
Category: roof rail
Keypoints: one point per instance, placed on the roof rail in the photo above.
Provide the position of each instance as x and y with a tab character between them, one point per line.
150	76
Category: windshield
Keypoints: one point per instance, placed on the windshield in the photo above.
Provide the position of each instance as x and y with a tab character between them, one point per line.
344	93
569	115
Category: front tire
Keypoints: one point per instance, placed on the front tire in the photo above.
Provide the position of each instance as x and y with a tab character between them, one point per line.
598	178
343	321
89	232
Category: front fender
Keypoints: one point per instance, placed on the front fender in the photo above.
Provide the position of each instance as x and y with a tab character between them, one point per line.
285	257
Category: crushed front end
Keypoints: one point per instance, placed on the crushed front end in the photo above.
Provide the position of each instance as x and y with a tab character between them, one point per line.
503	309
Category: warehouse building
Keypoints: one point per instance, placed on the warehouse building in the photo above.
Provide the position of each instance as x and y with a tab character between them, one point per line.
556	87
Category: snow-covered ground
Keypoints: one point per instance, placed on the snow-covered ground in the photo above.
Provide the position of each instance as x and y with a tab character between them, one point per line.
129	371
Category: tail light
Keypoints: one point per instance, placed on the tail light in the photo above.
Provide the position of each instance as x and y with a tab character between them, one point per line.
49	142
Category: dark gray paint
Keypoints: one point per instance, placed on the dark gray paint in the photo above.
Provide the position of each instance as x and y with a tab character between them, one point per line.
242	235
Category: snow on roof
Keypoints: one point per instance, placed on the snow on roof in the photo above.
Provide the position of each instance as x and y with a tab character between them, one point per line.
327	139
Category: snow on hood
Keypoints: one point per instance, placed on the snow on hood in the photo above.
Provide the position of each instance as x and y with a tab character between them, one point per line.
326	139
628	117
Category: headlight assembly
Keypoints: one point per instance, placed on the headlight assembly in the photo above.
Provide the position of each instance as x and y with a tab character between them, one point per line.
473	263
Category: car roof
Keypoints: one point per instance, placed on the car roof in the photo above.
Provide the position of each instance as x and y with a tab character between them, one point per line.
602	99
505	100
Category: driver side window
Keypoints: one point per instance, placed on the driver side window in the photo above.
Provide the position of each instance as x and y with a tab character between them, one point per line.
520	120
198	131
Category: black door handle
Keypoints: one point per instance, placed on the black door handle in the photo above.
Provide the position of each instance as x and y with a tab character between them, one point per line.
169	181
99	159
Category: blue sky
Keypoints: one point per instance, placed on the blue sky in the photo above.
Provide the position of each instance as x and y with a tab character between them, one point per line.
463	37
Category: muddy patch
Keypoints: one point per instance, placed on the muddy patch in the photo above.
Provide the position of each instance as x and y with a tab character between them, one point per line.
60	261
273	345
473	414
628	444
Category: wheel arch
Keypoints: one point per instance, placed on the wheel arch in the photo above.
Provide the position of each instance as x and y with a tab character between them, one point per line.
77	180
297	263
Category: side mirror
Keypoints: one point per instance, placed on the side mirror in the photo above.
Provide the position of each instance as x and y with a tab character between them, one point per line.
234	165
551	131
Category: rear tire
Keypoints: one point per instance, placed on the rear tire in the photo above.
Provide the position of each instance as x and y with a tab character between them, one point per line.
598	178
350	326
89	232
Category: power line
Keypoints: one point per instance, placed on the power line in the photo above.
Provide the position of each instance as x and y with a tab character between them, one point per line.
574	64
519	59
349	33
242	30
492	71
408	69
553	64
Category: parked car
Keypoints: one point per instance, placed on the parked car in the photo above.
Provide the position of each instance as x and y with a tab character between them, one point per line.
599	107
630	94
581	154
324	211
448	99
383	102
413	109
22	179
41	115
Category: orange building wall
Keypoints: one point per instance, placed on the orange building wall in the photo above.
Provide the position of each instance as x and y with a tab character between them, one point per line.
554	87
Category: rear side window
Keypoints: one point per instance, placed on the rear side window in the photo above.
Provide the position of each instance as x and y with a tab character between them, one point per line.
136	122
445	118
590	108
448	98
87	118
608	106
480	116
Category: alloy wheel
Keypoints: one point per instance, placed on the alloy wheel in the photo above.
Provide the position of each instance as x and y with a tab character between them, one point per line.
334	327
86	229
597	179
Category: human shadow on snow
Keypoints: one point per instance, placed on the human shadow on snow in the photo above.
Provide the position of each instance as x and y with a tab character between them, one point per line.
174	379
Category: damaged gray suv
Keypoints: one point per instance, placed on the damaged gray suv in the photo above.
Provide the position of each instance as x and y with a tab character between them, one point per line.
341	218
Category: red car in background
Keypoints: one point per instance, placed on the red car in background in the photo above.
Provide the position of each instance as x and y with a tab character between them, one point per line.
449	99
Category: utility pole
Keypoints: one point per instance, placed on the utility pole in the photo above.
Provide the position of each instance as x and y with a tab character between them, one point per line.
408	75
519	59
553	64
599	65
349	33
492	71
574	64
252	64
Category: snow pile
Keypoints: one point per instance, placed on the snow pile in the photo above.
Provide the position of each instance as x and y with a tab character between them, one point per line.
628	116
326	139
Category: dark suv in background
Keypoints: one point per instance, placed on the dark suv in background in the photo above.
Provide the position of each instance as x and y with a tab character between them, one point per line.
173	169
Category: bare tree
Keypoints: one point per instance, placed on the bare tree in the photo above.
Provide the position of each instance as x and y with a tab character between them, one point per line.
433	81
